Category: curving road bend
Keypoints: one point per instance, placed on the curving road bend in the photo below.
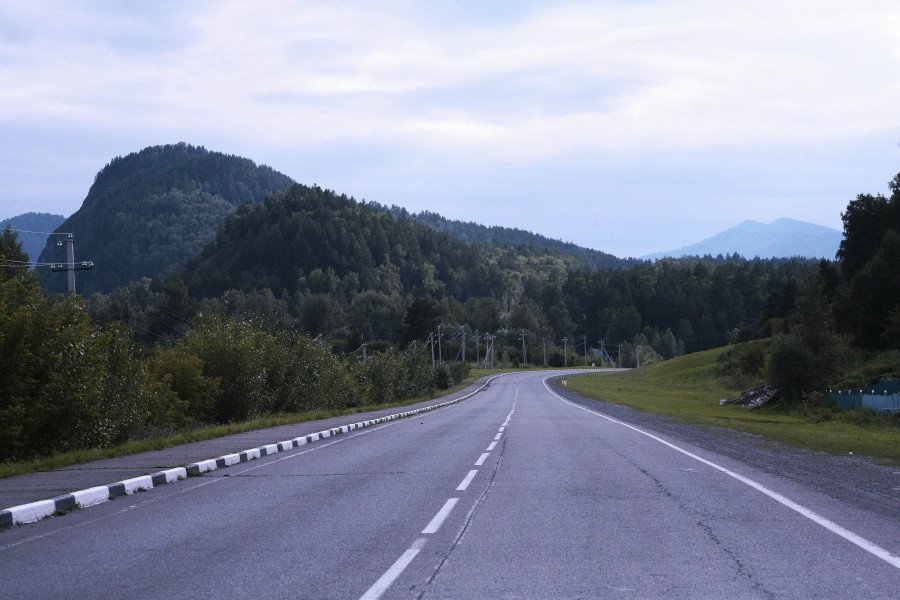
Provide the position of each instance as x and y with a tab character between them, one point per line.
515	493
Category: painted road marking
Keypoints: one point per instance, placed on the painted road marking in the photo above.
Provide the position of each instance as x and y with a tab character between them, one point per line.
481	459
492	446
442	514
813	516
385	581
464	485
497	437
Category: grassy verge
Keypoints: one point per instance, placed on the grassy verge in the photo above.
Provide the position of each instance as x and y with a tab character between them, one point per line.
688	388
73	457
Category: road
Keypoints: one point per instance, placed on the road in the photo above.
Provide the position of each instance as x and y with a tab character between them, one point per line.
515	493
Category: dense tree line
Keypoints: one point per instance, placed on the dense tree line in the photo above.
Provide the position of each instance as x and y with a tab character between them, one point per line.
350	271
148	212
68	382
477	234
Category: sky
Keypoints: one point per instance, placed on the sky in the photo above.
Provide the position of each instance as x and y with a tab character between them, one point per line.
627	126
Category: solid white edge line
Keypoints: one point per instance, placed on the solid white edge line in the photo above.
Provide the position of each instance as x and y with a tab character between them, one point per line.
833	527
384	582
438	519
481	459
464	484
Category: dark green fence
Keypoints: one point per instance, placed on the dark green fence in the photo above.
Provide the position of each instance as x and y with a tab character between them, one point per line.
880	397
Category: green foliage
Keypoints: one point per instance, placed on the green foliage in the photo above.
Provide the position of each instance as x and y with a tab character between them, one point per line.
874	296
235	353
474	233
745	365
182	373
148	212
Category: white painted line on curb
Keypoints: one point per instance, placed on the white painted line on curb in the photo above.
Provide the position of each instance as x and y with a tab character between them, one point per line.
438	519
481	459
385	581
464	485
848	535
491	446
91	496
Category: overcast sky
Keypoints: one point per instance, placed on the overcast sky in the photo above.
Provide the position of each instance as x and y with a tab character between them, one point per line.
628	126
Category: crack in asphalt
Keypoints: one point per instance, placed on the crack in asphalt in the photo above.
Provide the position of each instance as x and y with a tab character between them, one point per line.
466	522
730	554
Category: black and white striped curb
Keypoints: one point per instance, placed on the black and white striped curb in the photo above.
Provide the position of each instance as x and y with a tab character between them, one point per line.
35	511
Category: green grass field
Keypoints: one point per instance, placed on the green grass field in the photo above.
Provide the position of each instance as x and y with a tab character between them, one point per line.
688	388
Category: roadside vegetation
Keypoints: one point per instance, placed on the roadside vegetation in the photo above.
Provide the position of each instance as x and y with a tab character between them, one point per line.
198	434
690	387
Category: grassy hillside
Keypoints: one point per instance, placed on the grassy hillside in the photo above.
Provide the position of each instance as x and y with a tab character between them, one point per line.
688	388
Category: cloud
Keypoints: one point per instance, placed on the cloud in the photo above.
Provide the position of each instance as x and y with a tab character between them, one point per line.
560	78
640	110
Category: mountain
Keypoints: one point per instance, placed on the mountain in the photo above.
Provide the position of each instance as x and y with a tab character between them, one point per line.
148	212
781	238
33	231
475	233
311	239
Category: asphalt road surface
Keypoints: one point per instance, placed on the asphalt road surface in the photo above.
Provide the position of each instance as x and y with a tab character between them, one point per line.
515	493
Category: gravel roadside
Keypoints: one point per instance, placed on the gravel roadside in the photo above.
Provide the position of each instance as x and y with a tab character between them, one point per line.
869	483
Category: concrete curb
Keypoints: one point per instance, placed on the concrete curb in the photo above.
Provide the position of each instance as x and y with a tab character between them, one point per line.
41	509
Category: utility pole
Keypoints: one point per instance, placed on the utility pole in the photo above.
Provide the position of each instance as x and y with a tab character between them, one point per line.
70	265
584	341
431	343
493	351
463	343
524	356
565	352
637	354
477	359
440	353
364	352
544	344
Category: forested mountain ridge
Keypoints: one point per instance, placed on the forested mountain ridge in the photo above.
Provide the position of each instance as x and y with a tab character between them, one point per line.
32	228
148	212
351	271
475	233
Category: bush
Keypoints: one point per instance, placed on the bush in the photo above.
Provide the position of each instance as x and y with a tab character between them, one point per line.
791	368
744	365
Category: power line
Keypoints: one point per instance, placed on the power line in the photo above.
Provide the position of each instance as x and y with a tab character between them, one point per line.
37	232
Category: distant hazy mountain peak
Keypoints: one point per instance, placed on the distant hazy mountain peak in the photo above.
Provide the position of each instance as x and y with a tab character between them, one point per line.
783	237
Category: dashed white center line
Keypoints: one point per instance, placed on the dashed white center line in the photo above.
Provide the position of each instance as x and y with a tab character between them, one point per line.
385	581
502	428
438	519
497	437
492	446
464	485
481	459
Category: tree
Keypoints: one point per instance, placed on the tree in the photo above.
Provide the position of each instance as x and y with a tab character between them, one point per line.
866	220
875	294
